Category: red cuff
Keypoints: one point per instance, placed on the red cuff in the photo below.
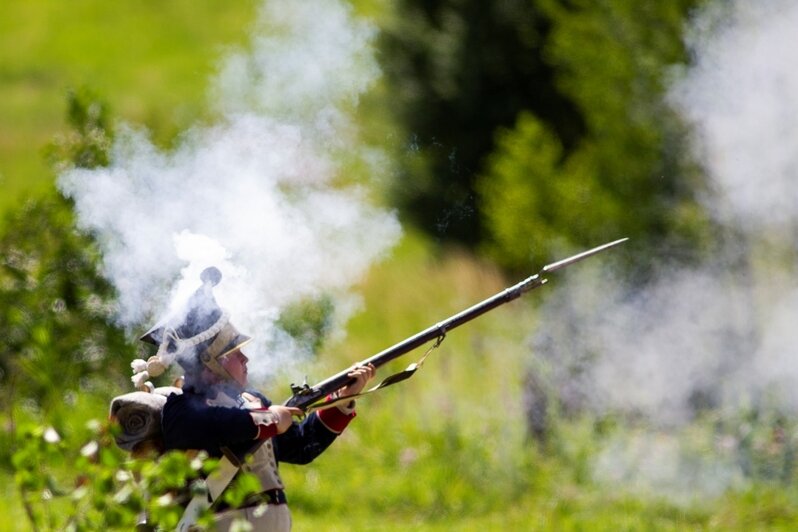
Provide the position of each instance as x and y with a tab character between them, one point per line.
265	423
334	419
266	431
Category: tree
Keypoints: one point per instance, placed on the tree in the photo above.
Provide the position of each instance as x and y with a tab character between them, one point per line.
457	70
54	304
628	174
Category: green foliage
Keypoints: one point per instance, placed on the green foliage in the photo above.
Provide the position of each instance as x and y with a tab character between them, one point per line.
457	70
88	141
57	345
308	322
533	202
55	306
112	491
476	99
244	485
434	476
630	173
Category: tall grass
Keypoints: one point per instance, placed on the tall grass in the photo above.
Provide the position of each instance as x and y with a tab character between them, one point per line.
150	60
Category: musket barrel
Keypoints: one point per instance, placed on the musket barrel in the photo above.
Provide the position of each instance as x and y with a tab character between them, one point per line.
431	333
441	328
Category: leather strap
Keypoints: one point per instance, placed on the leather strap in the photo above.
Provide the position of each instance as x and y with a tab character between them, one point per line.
403	375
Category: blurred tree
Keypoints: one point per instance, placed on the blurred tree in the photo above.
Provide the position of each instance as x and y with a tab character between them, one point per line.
478	86
629	173
309	322
88	142
457	70
534	198
54	305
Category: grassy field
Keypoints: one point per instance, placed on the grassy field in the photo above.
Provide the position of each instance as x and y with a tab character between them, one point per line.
149	60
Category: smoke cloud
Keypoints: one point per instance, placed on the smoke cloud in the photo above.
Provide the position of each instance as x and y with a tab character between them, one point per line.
742	95
718	337
258	194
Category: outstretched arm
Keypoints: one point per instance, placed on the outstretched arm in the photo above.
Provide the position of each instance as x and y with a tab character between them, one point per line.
304	441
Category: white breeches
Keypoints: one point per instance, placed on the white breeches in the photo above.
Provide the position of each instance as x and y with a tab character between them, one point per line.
263	518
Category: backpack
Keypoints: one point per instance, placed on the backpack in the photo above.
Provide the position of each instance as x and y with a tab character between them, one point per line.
138	415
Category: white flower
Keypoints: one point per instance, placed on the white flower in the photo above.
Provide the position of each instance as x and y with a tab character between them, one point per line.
51	436
165	500
90	449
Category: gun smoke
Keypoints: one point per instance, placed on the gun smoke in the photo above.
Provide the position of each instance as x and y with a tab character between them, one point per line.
713	340
259	194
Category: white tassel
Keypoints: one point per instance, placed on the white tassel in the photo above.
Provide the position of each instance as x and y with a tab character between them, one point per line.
157	364
138	365
139	379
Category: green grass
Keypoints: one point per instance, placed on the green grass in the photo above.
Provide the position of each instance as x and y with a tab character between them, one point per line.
149	60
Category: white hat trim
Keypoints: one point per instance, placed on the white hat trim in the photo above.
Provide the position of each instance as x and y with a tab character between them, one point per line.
157	364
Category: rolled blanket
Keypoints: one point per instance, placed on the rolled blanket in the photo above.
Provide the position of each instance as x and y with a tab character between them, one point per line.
139	416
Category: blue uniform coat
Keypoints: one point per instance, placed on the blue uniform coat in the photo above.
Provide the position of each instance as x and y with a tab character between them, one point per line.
190	423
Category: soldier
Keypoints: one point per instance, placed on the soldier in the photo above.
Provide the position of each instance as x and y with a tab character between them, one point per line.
217	413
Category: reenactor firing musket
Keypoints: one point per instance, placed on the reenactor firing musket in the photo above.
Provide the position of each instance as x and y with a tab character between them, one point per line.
216	412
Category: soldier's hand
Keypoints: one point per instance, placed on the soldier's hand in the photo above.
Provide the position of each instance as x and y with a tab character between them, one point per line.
361	374
285	416
273	420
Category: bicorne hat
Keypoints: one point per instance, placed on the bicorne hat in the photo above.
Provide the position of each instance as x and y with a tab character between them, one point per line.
198	336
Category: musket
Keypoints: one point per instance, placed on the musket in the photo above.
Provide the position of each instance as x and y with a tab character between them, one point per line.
306	397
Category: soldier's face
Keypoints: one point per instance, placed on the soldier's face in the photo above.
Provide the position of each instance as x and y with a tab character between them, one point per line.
236	365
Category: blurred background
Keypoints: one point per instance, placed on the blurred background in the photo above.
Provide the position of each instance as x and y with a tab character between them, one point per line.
455	147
